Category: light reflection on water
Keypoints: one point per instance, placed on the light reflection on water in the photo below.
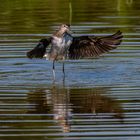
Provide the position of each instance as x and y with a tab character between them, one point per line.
99	98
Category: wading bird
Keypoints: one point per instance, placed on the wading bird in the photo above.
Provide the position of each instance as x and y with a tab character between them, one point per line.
65	46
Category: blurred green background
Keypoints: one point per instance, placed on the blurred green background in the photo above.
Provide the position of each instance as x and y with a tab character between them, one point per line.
37	16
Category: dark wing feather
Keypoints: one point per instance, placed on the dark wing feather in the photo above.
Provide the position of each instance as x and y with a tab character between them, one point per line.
40	50
91	46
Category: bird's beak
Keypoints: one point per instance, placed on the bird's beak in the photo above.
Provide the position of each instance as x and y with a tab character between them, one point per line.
70	31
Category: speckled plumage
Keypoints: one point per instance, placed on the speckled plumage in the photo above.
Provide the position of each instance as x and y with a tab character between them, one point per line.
60	46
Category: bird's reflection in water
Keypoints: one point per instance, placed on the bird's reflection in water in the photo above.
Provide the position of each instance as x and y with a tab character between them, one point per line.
54	100
64	103
62	107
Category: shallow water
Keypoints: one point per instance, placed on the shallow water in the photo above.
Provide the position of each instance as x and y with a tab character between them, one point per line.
99	99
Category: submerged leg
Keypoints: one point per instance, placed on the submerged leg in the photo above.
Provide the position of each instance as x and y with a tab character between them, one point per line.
54	70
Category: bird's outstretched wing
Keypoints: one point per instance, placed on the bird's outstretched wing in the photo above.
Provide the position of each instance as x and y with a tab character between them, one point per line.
91	46
40	50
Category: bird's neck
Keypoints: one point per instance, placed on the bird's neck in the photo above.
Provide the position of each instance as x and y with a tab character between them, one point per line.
59	34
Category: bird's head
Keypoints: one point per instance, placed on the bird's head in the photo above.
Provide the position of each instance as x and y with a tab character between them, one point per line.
65	28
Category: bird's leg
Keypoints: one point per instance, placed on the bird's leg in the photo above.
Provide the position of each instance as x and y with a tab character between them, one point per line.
63	68
54	70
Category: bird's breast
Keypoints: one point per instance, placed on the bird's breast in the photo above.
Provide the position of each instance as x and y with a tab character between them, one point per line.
67	39
60	46
62	42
